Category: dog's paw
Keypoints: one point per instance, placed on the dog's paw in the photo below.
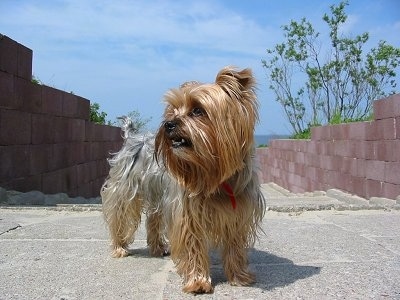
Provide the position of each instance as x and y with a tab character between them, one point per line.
243	278
160	251
119	252
198	286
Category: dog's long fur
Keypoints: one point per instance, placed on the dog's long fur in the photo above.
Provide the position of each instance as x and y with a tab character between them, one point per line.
177	178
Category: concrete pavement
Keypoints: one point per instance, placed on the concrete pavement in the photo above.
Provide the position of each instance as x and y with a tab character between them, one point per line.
316	246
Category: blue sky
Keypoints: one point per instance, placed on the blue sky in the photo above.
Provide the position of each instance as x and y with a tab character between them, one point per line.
126	54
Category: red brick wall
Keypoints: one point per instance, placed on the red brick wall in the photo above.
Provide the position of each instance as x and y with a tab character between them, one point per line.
47	142
361	158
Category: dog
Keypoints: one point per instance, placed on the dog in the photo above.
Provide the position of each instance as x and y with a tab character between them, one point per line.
195	180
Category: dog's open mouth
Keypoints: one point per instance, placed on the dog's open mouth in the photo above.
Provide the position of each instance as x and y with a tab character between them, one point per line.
178	142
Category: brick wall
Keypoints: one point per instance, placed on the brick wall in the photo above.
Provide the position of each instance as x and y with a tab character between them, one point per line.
47	142
361	158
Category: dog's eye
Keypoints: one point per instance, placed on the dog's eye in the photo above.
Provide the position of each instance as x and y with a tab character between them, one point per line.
197	112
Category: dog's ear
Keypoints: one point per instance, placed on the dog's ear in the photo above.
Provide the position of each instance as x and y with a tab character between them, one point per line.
235	82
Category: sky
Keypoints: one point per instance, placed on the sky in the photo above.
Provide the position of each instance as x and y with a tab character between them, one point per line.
125	54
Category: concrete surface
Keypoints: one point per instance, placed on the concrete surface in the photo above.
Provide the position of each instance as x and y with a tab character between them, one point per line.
314	247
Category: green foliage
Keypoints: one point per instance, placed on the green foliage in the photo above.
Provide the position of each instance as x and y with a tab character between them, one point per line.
336	119
36	80
338	85
97	116
304	134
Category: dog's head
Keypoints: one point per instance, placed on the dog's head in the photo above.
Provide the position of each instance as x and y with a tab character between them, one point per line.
207	132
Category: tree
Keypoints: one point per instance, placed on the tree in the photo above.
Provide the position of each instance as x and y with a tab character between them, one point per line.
99	117
138	122
313	90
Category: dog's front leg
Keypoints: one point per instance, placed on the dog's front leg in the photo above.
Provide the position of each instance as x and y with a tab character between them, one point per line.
189	252
234	255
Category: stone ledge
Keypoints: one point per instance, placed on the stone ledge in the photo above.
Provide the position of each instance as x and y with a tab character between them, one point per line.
36	198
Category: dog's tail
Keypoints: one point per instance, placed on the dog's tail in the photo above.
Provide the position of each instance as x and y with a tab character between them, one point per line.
127	126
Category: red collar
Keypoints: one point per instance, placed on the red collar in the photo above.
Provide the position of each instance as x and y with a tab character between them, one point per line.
228	189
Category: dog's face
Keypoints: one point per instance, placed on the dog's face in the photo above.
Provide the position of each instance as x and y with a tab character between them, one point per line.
207	132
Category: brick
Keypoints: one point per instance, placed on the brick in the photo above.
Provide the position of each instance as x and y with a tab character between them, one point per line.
83	173
69	105
348	165
353	148
341	181
360	168
388	150
99	133
340	132
375	169
299	157
15	127
7	97
93	170
390	190
97	184
373	188
24	184
311	147
85	190
361	131
52	182
28	94
60	181
59	159
39	158
366	150
76	153
330	162
60	125
86	150
397	128
83	108
51	101
320	133
42	129
14	162
343	148
8	55
387	108
298	145
358	186
392	172
89	131
76	130
322	148
102	167
313	160
24	62
384	129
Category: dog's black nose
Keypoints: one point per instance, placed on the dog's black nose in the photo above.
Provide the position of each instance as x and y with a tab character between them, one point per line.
169	126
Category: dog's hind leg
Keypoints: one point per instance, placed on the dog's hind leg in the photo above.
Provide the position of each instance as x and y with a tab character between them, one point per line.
156	234
123	218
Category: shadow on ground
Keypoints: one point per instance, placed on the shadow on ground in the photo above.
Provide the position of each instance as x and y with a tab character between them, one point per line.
271	270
